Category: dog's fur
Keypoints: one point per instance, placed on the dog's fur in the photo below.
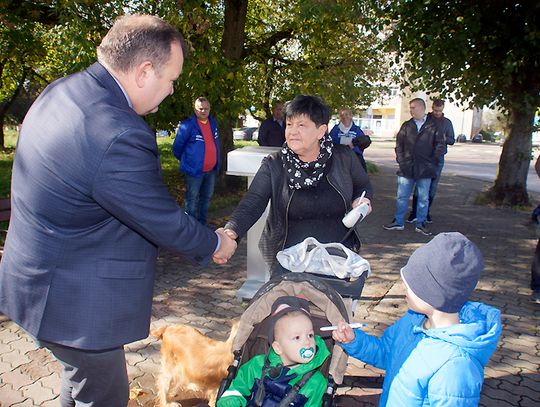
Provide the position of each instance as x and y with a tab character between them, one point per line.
192	364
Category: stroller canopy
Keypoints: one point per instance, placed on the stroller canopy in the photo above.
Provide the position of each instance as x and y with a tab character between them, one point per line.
326	306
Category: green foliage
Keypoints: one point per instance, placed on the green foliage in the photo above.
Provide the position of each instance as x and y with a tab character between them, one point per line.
482	52
318	47
6	162
324	47
487	135
372	168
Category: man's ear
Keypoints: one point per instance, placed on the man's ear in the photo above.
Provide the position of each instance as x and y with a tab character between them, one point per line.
277	348
142	72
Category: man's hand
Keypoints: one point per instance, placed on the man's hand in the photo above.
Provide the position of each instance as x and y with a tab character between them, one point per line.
226	248
344	333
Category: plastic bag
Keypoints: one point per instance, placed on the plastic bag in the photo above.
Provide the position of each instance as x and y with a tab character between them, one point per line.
331	259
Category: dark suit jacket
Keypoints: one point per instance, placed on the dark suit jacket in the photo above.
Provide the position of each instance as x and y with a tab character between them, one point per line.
89	211
271	133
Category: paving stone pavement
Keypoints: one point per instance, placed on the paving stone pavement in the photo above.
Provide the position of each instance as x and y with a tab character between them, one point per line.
205	298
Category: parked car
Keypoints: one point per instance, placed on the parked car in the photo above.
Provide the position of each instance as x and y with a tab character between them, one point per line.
462	138
477	138
245	133
255	135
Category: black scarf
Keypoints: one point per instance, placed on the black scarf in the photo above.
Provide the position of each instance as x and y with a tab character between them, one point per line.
302	175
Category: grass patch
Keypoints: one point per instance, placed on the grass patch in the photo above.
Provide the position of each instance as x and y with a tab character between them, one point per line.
228	192
6	161
6	164
372	168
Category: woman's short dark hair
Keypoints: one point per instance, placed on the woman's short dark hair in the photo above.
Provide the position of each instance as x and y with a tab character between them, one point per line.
136	38
311	106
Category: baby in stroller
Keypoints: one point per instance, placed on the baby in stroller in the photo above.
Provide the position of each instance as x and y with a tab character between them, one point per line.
283	356
291	363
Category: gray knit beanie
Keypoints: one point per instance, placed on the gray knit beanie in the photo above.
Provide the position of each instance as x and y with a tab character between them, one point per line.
444	272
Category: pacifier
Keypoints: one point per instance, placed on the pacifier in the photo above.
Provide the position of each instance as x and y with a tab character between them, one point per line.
307	353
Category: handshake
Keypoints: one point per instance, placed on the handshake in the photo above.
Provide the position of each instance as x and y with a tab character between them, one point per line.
227	246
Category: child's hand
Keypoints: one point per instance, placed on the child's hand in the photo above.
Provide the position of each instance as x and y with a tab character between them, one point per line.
343	333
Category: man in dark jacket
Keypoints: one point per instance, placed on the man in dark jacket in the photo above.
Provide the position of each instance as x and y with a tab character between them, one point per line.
419	146
445	127
272	130
90	210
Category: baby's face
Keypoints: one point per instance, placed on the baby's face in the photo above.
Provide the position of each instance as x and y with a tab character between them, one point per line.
294	339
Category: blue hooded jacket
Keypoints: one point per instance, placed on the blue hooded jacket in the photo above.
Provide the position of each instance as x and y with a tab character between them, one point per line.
353	132
432	367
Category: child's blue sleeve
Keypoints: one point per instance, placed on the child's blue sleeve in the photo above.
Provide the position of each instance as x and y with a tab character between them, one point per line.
372	349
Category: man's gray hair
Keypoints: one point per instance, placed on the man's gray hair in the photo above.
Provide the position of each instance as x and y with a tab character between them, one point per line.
418	101
201	99
135	38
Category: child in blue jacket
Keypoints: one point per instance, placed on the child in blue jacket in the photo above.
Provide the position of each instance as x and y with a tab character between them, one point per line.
434	354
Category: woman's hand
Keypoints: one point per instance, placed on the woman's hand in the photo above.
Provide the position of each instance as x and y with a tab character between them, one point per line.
359	201
344	333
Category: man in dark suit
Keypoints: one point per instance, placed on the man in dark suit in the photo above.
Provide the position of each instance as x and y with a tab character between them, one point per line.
90	209
272	130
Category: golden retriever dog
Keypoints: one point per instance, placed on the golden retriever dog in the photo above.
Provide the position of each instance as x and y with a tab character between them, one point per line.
192	364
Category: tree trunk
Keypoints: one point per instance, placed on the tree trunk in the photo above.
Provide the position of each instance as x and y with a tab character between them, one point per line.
234	35
2	142
226	144
510	187
232	46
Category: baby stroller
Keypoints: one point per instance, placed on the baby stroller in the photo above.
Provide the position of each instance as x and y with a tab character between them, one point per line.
341	268
327	308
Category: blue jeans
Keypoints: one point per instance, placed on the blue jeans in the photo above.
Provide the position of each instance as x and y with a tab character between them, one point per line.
433	186
435	181
198	193
404	190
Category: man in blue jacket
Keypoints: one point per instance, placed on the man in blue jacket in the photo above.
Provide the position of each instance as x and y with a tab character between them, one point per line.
346	132
90	209
197	148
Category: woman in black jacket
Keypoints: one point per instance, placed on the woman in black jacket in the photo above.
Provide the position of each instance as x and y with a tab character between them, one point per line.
310	183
